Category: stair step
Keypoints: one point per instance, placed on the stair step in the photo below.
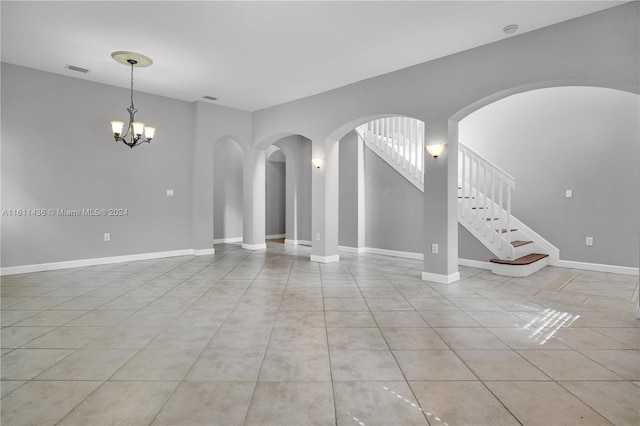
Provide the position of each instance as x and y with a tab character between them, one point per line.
518	243
504	231
477	208
495	218
468	197
524	260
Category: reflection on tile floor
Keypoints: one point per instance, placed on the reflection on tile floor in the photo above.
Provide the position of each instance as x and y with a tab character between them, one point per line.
269	338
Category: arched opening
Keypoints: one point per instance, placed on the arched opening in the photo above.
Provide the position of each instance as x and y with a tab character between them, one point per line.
287	189
573	152
380	193
227	191
275	196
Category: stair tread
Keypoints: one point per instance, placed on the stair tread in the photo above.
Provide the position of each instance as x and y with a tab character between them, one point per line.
518	243
504	230
524	260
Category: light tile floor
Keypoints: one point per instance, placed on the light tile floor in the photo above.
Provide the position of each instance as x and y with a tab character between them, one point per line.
269	338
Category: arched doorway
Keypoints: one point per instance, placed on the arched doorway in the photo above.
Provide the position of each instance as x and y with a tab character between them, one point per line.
577	139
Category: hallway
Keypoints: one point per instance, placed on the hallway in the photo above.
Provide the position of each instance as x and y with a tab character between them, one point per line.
267	337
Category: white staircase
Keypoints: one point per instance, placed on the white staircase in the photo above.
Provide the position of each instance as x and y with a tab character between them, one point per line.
400	142
484	195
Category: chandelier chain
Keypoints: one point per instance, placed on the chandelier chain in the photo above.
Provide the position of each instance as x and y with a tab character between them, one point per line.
131	85
136	132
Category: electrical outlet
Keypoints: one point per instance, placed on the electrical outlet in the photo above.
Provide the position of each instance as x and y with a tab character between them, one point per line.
568	193
318	236
169	192
107	236
434	248
589	241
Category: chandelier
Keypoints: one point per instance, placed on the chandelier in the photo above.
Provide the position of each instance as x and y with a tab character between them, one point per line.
136	130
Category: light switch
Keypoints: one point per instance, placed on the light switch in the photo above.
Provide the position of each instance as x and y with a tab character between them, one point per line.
569	193
169	192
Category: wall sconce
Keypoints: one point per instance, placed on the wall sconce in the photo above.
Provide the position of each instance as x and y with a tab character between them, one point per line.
317	162
435	149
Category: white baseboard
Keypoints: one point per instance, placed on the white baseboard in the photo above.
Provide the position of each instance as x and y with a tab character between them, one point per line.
325	259
355	250
41	267
625	270
227	240
441	279
297	242
395	253
254	246
384	252
274	236
475	263
204	252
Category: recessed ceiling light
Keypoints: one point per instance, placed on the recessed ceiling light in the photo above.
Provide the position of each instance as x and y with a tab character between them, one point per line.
79	69
510	29
210	98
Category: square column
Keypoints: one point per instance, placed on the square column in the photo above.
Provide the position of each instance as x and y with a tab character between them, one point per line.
253	208
324	201
441	208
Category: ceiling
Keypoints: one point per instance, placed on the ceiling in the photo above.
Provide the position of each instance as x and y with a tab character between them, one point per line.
253	55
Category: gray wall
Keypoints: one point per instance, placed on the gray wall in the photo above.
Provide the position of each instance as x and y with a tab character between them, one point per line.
227	189
470	248
348	192
580	138
598	49
275	195
394	208
58	152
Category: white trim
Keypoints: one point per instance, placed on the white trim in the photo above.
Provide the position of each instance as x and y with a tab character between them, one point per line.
441	279
625	270
254	246
475	263
356	250
227	240
40	267
324	259
297	242
273	236
204	252
395	253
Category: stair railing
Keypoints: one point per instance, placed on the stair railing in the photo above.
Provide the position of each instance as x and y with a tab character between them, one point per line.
400	141
485	198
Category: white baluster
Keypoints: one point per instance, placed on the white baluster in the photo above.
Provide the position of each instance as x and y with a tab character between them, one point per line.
509	221
405	151
417	148
394	131
463	153
493	203
485	204
500	206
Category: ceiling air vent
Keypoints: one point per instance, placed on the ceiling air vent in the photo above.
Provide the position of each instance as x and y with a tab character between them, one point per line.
79	69
210	98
